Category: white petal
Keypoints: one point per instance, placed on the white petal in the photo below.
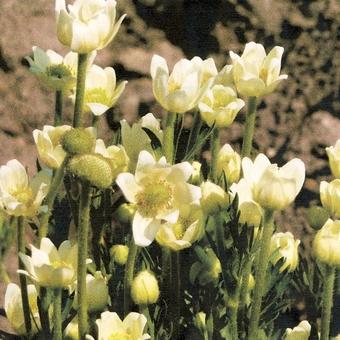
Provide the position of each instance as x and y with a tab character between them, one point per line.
128	185
144	229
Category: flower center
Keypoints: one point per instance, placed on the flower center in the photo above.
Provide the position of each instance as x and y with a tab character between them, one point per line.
120	336
173	86
155	197
24	196
59	71
97	95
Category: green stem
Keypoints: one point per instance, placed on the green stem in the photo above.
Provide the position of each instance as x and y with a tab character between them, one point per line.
249	128
43	304
260	278
129	273
83	231
144	309
327	301
214	149
194	132
50	197
175	304
168	138
23	281
58	108
80	90
244	285
57	321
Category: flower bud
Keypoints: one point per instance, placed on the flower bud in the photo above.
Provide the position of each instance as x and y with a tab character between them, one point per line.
196	175
78	141
71	330
125	213
284	246
200	321
317	217
300	332
330	197
229	162
333	153
326	245
93	168
97	292
144	288
214	198
120	253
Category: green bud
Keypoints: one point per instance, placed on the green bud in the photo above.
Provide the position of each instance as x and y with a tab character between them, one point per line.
317	217
78	141
144	288
93	168
125	213
120	253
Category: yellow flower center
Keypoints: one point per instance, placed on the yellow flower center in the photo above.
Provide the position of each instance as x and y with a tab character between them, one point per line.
59	71
120	336
24	196
97	95
173	86
155	197
264	74
58	264
181	227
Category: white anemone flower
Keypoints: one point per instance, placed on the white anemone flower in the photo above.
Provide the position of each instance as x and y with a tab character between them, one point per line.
111	327
101	90
14	310
183	88
158	190
51	267
272	187
48	142
20	196
87	25
255	73
135	139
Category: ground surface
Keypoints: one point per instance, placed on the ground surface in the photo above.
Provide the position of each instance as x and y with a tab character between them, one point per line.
299	120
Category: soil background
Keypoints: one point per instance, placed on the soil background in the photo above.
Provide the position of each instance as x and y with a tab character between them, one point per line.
299	120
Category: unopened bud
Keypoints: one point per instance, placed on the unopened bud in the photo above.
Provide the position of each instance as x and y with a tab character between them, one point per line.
120	253
125	213
214	198
93	168
144	289
317	217
78	141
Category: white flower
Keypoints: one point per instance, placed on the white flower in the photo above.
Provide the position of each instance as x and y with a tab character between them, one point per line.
53	70
229	162
272	187
111	327
14	310
87	25
187	230
18	195
220	106
330	197
255	73
49	267
116	156
333	153
285	246
300	332
101	92
158	190
326	245
250	212
135	139
48	142
183	88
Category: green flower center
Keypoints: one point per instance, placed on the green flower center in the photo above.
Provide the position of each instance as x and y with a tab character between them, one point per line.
155	197
97	95
181	227
120	336
59	71
24	196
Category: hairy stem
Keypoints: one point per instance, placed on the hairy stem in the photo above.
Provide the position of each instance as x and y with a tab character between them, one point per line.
214	149
83	231
57	320
327	301
58	108
80	90
247	143
168	138
260	278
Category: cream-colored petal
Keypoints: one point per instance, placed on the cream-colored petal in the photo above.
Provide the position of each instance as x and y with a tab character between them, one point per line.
128	185
144	229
